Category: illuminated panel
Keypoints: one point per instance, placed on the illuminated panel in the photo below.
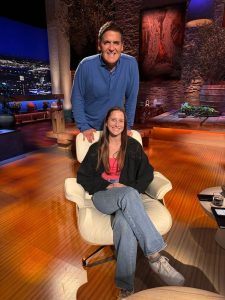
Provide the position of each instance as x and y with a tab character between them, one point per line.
200	12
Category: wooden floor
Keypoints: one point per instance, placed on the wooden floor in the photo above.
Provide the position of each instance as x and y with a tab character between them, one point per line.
40	247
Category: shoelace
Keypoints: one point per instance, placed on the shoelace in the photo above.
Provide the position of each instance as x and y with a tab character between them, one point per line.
165	264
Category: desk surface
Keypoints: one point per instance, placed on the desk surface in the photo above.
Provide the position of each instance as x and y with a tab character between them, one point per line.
209	191
220	233
170	120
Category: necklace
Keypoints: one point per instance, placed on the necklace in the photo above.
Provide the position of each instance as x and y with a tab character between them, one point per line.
114	149
115	154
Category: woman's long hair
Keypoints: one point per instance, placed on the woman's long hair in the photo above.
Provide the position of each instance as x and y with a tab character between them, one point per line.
103	150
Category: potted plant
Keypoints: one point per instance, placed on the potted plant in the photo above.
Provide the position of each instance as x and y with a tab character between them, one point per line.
205	111
196	111
14	107
185	110
7	119
45	105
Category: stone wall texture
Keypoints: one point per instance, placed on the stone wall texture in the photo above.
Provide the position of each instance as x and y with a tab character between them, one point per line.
170	93
219	7
128	16
193	87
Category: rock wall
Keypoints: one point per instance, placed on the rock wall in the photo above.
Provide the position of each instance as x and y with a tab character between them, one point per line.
127	14
170	93
196	64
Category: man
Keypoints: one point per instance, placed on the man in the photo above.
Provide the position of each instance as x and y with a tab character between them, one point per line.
105	80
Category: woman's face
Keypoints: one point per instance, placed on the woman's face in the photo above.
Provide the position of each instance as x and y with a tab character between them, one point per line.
115	123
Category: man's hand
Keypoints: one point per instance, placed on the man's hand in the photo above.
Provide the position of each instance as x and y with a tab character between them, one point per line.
89	134
129	132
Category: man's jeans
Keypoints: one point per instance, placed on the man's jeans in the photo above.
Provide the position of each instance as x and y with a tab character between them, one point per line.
131	225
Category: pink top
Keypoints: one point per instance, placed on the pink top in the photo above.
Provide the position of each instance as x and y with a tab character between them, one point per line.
113	175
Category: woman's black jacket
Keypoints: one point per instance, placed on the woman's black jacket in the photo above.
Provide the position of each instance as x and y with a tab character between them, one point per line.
137	171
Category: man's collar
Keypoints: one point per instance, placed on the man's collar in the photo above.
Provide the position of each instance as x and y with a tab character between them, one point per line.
103	64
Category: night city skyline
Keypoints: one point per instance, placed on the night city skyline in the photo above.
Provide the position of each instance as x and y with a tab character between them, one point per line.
23	77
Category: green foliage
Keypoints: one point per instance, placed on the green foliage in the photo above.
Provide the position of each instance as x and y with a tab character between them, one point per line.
205	111
14	107
187	108
45	105
198	111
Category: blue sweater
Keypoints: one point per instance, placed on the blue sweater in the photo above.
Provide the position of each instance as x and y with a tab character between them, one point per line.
96	89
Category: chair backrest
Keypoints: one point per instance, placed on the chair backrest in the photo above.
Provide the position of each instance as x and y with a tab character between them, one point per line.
82	145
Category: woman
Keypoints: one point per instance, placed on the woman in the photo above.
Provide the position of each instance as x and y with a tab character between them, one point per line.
116	170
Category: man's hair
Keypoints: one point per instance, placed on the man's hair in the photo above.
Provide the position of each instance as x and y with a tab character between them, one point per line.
109	26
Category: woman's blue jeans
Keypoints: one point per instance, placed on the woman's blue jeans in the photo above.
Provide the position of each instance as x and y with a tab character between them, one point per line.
131	225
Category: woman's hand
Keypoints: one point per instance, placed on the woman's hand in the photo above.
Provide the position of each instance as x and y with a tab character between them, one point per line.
115	185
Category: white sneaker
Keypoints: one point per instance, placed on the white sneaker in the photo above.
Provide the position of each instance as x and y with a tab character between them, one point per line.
166	272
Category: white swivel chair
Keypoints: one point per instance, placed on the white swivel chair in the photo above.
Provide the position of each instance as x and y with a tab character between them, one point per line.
94	226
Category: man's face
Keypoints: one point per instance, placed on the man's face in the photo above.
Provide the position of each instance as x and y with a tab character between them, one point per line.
111	47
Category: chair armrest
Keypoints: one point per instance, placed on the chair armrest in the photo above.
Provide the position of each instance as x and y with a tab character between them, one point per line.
76	193
159	186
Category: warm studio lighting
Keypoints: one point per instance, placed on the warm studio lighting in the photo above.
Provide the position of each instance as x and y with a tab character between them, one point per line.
199	13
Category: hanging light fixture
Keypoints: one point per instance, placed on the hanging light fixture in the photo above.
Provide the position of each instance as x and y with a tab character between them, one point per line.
199	13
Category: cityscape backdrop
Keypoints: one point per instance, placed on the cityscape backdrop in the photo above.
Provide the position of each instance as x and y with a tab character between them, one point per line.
24	59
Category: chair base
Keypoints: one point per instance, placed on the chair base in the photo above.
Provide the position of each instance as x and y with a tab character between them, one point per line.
86	264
